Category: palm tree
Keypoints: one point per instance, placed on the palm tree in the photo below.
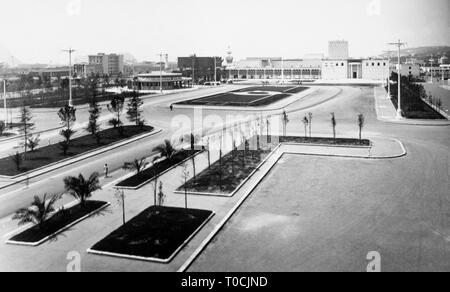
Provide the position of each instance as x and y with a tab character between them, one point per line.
38	212
166	150
306	122
80	188
361	121
137	165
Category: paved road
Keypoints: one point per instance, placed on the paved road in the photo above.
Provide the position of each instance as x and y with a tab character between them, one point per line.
157	112
322	214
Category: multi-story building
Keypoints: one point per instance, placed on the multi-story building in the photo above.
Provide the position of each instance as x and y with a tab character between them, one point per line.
111	64
200	68
338	49
85	70
337	67
274	68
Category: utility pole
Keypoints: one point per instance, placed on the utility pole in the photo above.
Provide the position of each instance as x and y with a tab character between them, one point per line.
431	68
399	44
160	71
4	102
389	73
215	71
193	70
70	51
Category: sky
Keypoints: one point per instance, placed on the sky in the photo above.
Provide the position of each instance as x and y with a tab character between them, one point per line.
36	31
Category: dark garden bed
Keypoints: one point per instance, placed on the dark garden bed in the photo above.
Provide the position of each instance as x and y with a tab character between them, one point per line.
156	233
50	154
156	170
58	222
325	141
224	178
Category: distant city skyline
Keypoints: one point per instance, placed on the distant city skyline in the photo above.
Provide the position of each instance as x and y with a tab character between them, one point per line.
207	27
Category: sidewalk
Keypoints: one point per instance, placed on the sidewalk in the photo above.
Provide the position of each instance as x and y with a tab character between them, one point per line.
386	112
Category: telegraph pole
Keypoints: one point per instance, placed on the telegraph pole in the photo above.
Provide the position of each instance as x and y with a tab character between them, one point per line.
70	51
431	68
399	44
4	102
160	71
215	71
389	74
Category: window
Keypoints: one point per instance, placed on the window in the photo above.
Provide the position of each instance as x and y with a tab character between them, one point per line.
342	64
337	64
378	64
367	64
384	64
373	64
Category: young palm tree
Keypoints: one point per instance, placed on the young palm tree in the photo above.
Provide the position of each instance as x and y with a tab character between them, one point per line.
137	165
166	150
310	117
306	123
285	123
38	212
361	121
333	124
80	188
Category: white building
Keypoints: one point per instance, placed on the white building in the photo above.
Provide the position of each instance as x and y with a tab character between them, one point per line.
338	49
111	64
365	69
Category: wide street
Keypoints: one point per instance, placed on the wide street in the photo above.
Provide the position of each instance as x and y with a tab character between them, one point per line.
327	214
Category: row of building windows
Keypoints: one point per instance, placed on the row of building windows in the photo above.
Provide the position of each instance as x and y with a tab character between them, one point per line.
343	64
373	64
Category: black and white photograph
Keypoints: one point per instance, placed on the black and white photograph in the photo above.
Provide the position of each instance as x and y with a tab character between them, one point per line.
238	136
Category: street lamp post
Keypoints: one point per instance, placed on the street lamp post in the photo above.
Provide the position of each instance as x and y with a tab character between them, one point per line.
70	51
160	71
4	102
431	69
215	71
389	74
399	109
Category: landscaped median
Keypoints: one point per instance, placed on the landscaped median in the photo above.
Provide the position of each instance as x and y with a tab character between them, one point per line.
156	170
228	174
59	222
157	234
52	154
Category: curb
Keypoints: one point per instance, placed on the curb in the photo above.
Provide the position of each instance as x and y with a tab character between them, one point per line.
156	260
34	244
77	158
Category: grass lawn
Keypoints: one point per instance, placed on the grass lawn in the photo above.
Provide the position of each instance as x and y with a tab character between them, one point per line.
157	169
157	232
236	167
52	153
255	96
57	222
